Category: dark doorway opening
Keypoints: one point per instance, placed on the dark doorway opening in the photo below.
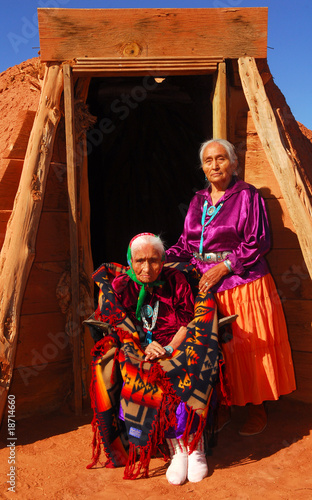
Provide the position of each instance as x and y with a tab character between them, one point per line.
143	157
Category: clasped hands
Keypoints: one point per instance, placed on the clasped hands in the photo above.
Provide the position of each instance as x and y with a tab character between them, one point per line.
154	351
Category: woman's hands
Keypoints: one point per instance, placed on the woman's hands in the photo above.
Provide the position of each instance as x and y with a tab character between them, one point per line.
212	276
154	351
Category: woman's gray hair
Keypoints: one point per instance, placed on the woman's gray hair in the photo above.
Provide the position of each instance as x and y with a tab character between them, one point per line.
228	146
145	239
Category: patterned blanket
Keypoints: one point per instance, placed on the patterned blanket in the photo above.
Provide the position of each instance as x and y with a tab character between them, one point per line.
149	392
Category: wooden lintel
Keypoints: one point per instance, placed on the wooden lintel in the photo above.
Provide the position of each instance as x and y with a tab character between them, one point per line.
18	250
158	66
66	34
293	189
219	104
73	231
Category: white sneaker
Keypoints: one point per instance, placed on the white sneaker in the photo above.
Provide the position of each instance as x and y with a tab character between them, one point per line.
197	468
177	470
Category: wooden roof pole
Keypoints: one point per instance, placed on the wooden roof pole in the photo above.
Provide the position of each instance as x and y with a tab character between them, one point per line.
219	104
284	168
18	250
73	231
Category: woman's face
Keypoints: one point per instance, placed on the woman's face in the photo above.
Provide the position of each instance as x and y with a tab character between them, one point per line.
146	263
217	166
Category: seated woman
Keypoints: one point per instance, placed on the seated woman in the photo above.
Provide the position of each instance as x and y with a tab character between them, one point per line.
166	370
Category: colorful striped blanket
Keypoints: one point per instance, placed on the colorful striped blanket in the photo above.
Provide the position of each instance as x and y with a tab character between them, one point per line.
149	392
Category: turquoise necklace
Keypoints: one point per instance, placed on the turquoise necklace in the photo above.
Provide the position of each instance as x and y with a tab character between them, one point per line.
148	312
212	212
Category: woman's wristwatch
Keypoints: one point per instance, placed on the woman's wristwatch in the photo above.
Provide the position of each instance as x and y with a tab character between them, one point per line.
168	349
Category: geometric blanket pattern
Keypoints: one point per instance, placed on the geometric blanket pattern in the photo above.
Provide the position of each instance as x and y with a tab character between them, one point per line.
149	392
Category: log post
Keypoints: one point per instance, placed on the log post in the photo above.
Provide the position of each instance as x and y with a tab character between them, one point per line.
69	107
293	189
86	289
18	251
219	104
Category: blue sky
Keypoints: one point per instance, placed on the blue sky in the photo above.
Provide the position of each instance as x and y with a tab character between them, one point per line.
289	38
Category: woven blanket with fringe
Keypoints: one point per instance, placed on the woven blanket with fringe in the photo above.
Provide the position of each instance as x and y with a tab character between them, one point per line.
149	392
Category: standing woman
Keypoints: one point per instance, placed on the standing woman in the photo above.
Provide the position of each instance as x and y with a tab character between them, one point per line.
226	236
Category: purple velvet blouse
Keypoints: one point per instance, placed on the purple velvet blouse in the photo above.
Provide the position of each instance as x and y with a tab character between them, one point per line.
240	227
176	303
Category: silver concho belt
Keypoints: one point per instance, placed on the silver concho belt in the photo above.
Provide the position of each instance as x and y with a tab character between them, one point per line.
211	256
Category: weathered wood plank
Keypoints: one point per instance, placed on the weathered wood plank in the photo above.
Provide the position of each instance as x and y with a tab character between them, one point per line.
299	311
293	285
56	196
220	104
52	239
86	290
18	250
292	188
59	150
162	66
40	293
43	387
299	319
290	273
42	339
303	363
300	337
73	230
78	33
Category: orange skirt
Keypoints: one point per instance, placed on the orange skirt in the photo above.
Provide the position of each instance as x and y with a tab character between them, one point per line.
258	359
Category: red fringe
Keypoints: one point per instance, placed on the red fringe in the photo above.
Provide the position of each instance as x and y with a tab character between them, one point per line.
96	444
192	444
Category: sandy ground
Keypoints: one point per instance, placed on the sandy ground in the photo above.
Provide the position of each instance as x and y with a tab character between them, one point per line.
52	452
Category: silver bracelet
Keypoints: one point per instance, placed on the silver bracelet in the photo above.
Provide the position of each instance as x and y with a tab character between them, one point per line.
227	264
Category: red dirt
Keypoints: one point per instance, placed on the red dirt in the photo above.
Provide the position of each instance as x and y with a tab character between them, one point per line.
52	452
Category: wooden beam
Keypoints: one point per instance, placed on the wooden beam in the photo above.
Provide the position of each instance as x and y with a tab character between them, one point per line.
284	168
86	290
66	34
18	250
219	104
156	66
69	107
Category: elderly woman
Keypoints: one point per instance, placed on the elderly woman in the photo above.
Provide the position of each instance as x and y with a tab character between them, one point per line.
158	349
226	236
